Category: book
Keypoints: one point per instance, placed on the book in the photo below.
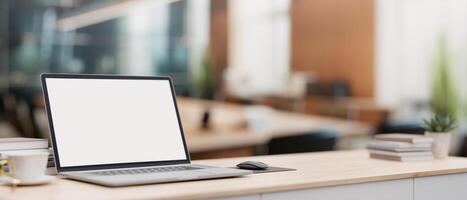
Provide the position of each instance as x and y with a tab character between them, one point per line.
4	153
20	143
402	154
398	146
402	159
409	138
28	150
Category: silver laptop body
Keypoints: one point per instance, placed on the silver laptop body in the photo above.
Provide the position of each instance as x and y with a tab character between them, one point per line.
120	131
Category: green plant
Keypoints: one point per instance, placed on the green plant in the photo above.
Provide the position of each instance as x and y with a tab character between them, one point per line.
204	78
441	122
444	93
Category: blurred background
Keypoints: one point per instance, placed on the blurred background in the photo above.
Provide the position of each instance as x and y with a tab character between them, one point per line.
253	77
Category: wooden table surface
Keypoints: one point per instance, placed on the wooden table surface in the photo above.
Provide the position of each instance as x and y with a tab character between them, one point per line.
313	170
229	127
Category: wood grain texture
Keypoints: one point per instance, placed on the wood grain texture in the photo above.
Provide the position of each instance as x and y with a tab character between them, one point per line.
314	170
334	39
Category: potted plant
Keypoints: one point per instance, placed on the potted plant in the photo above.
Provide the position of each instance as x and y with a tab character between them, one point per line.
440	128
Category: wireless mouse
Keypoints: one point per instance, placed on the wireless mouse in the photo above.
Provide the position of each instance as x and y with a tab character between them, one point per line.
252	165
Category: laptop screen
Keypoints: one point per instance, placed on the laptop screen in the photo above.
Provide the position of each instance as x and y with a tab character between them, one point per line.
112	121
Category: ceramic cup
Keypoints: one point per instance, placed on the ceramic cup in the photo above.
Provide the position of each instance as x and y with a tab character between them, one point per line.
27	166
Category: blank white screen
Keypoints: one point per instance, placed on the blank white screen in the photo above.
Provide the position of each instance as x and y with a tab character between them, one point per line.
108	121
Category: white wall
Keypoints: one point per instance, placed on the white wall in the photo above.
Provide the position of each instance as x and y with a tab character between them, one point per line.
407	36
197	31
138	51
259	46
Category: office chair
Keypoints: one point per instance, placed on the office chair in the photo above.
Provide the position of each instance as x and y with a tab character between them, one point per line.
410	128
306	142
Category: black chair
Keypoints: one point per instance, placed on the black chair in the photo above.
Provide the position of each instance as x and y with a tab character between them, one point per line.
306	142
412	128
20	104
463	149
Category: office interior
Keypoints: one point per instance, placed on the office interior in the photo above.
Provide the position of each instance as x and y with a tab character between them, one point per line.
252	77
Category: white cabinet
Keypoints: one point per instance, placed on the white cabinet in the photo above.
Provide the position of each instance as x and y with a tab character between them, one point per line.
250	197
452	186
384	190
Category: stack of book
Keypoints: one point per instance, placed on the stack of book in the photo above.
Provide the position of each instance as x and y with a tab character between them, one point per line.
401	147
20	144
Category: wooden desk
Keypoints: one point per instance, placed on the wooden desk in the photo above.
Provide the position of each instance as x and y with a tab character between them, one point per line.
229	128
361	109
355	108
329	175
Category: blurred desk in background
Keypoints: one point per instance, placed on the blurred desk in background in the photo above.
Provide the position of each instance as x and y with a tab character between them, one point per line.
354	108
234	129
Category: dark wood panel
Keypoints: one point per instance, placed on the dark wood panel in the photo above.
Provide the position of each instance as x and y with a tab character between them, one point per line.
219	38
335	39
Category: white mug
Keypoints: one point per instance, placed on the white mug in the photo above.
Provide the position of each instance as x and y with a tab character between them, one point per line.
27	166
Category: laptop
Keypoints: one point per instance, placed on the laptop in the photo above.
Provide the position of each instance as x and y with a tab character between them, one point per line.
120	131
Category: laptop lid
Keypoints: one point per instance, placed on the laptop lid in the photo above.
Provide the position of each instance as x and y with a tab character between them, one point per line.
106	121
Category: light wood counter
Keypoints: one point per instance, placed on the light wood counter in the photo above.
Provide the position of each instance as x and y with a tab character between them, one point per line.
315	170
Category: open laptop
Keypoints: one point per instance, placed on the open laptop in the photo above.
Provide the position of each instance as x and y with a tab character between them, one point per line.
119	131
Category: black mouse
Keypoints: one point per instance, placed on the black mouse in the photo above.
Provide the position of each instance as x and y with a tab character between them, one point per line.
253	165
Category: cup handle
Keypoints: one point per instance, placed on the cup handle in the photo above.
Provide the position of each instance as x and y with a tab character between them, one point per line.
3	167
4	172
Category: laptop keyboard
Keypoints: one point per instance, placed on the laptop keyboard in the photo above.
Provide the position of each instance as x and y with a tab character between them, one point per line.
144	170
